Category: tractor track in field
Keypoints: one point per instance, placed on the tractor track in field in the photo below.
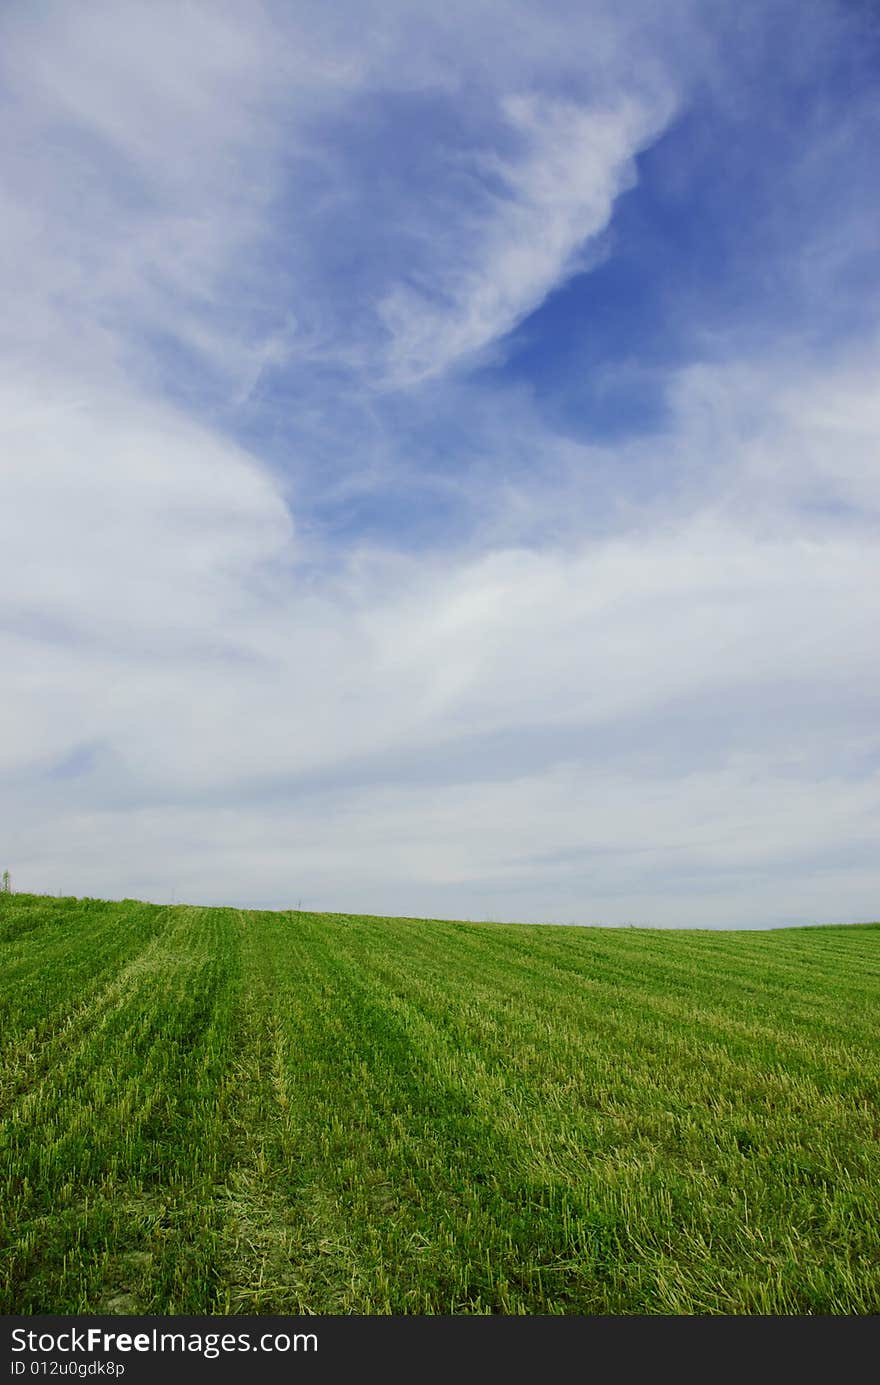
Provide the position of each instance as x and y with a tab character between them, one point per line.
258	1240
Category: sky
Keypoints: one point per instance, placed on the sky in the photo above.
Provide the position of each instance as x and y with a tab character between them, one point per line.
439	457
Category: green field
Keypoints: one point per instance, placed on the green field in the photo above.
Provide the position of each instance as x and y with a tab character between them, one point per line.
210	1111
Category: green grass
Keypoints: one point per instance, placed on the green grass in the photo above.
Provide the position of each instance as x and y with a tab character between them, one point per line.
209	1111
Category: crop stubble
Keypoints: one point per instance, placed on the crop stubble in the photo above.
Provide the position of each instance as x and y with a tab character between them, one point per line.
205	1110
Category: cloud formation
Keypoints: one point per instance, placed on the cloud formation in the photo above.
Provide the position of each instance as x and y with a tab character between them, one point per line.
310	591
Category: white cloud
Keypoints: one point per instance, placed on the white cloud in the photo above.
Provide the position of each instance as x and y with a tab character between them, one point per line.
553	198
144	150
131	524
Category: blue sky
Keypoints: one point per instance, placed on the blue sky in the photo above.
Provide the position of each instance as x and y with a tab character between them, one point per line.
440	457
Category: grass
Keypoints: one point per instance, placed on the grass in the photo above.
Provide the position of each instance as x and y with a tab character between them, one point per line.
209	1111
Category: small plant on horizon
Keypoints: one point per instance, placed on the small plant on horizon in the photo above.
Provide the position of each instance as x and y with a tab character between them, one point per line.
6	887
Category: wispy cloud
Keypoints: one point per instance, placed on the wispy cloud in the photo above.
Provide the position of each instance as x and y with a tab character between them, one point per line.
537	217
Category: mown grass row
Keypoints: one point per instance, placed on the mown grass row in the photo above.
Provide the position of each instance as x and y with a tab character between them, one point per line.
313	1113
110	1153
